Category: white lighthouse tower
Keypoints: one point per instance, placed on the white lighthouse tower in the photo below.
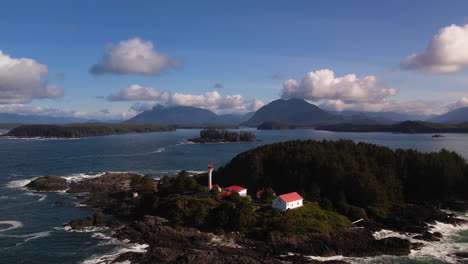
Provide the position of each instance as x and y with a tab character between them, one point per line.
210	172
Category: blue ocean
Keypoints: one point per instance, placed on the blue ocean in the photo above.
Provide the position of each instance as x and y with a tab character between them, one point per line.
31	224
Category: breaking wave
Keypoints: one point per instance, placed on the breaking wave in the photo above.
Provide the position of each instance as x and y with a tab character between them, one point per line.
111	256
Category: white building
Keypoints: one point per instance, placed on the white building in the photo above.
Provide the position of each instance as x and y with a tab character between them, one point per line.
287	201
240	190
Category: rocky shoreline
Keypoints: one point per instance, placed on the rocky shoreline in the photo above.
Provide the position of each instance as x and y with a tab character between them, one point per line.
110	195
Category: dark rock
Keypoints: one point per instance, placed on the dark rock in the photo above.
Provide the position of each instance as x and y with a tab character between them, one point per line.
61	203
48	184
107	183
437	234
98	220
461	255
427	236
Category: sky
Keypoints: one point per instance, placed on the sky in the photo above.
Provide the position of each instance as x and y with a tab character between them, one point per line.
111	59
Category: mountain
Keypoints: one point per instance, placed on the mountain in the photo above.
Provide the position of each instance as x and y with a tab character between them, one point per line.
236	119
178	115
459	115
294	110
36	119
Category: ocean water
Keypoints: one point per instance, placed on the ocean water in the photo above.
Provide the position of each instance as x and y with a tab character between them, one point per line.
31	225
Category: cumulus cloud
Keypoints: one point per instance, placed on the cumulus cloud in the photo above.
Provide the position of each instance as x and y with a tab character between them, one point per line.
139	93
323	85
23	79
463	102
447	52
407	107
218	85
134	56
213	101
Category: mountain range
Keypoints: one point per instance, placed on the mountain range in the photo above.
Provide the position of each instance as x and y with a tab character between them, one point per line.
185	115
293	111
456	116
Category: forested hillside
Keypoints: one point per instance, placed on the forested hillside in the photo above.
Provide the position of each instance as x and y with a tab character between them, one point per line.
350	177
82	130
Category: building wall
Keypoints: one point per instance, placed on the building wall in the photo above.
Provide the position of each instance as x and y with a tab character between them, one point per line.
243	193
278	203
294	204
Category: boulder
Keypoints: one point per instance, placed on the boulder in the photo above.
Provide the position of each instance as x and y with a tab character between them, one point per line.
428	236
98	220
48	184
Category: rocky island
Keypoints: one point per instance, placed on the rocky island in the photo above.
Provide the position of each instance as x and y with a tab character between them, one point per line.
341	215
223	136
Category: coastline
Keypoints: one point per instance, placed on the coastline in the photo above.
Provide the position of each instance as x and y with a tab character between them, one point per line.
243	244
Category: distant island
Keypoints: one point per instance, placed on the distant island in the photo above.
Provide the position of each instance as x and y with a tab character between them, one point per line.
219	136
276	125
81	130
410	127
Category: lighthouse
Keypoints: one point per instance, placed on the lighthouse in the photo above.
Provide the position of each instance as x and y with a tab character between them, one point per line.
210	172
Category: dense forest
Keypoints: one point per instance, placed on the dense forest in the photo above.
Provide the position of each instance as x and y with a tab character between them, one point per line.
214	135
402	127
176	199
81	130
355	179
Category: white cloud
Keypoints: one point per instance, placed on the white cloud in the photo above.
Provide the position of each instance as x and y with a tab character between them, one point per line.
103	114
399	106
134	56
323	84
447	52
463	102
137	92
213	101
23	79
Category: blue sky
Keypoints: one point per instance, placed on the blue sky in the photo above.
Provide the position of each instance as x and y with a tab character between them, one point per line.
239	44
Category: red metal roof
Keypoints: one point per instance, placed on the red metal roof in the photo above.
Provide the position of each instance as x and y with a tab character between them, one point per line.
224	193
215	185
291	197
235	188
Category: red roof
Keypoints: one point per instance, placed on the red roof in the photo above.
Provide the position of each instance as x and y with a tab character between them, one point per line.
224	193
235	188
291	197
216	185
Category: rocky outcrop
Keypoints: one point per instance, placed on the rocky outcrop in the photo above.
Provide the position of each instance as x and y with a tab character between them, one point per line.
48	184
186	245
428	236
107	183
97	220
352	242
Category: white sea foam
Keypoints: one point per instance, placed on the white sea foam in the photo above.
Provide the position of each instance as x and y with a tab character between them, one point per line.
13	225
42	197
111	256
101	236
29	237
19	183
389	233
88	229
